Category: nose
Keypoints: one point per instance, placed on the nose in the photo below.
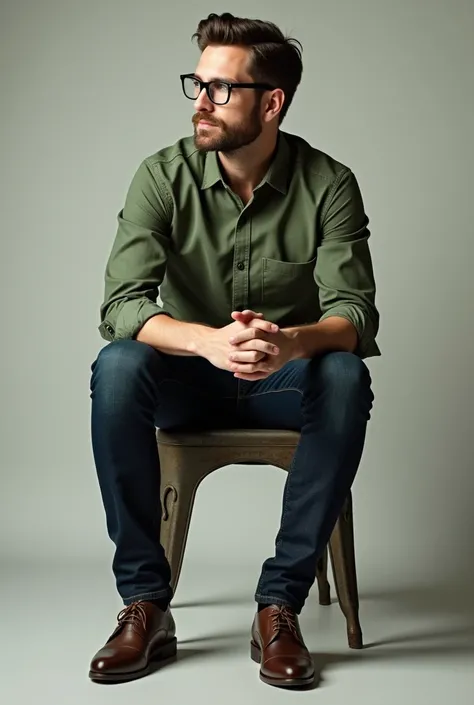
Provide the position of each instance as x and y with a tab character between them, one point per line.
203	102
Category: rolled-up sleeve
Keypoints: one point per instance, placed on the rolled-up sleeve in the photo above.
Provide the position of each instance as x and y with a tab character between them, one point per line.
343	271
137	262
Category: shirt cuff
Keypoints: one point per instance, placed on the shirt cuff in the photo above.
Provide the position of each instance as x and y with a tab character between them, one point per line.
366	345
132	316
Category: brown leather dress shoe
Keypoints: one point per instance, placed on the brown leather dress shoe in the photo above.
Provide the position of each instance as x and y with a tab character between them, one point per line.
144	636
277	645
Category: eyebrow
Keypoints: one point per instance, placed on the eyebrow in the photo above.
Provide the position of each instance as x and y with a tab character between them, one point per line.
226	79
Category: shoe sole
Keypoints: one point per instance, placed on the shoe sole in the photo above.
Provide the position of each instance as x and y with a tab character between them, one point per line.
166	652
256	655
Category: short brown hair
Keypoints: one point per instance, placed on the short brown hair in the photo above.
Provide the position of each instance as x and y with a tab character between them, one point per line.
275	59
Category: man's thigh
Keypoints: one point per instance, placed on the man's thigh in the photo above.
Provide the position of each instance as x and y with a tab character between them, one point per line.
193	394
274	402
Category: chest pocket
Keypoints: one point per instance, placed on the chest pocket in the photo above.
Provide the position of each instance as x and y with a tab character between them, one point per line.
287	282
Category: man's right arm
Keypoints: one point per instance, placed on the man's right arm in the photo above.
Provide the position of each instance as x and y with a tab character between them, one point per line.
137	261
174	337
135	271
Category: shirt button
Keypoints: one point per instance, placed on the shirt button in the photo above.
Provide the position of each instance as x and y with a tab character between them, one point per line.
240	265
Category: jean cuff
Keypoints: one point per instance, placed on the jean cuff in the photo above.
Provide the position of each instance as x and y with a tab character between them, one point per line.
269	600
156	595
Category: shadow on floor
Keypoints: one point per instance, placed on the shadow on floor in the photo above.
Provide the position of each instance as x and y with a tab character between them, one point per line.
452	604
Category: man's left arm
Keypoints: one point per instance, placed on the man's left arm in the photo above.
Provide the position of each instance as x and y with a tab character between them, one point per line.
344	275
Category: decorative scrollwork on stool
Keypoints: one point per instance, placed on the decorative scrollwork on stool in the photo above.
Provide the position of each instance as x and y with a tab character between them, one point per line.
170	497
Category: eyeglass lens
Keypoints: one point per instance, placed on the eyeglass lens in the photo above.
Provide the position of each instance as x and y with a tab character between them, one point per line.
219	92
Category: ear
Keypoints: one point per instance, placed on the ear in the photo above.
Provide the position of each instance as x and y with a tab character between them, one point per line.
274	104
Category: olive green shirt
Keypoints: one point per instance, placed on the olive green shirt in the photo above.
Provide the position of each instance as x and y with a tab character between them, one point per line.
298	251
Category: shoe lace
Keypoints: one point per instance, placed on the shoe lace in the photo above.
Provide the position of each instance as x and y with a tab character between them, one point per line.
133	614
284	620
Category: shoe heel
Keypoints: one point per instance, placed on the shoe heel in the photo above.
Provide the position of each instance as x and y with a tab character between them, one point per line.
167	651
255	653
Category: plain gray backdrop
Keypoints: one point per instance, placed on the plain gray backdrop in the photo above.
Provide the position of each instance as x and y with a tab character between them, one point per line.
88	89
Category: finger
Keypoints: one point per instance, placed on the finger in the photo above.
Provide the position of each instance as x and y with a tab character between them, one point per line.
246	315
267	326
255	344
247	356
250	367
252	333
249	312
249	334
252	378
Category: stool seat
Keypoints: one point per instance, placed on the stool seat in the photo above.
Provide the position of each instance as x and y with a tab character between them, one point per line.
230	437
187	456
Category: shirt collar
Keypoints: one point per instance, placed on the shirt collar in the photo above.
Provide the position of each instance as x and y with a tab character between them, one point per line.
277	175
212	173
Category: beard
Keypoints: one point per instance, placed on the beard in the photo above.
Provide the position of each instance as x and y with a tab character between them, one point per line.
226	138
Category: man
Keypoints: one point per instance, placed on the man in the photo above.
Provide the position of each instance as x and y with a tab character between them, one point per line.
258	243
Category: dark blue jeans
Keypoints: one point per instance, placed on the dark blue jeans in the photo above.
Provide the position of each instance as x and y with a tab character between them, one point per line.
135	388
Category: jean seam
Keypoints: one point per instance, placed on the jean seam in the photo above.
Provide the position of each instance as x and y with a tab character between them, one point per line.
285	506
275	391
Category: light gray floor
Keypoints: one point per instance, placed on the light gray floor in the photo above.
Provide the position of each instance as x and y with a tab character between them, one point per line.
419	641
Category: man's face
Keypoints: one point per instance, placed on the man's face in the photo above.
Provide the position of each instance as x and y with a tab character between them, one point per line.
226	128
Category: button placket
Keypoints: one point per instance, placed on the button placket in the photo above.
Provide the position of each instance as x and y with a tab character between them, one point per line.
241	252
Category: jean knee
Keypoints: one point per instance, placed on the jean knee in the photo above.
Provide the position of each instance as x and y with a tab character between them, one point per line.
121	363
343	372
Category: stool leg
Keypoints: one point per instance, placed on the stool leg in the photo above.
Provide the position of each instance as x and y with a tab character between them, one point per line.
321	575
343	564
178	501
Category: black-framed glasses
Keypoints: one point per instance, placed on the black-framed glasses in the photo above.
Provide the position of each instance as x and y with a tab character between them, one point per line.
218	91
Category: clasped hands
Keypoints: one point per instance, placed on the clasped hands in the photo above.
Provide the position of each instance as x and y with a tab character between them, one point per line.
258	347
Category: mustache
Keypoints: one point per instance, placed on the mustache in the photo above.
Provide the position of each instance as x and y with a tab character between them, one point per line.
202	116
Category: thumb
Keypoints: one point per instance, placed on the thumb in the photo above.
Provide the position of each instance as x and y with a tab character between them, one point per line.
245	316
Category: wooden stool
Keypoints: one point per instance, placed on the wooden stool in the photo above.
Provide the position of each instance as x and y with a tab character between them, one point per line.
186	458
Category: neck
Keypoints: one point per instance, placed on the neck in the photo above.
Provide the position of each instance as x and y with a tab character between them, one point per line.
245	168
